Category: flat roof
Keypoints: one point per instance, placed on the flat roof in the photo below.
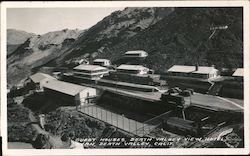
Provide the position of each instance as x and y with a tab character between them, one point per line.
135	52
239	72
100	60
40	76
129	84
191	69
131	67
89	67
65	87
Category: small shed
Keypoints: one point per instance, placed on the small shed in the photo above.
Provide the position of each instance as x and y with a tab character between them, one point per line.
132	69
70	93
39	79
102	62
81	61
239	74
136	53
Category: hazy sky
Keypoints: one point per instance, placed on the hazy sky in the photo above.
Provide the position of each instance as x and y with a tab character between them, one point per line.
43	20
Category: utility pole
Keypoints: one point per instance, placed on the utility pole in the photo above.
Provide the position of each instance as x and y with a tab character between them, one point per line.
214	30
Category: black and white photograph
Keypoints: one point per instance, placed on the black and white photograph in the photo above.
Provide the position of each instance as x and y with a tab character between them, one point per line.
125	77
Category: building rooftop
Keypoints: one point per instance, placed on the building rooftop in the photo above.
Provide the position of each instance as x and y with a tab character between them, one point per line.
239	72
135	52
89	67
191	69
64	87
100	60
131	67
40	76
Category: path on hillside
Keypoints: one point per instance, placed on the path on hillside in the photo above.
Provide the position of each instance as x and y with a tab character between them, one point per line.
54	140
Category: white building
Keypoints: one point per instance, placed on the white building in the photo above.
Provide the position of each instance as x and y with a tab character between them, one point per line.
39	79
193	71
102	62
82	61
239	73
93	72
70	93
136	54
57	75
132	69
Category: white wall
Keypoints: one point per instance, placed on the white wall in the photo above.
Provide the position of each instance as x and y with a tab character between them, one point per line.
107	63
83	94
213	73
144	71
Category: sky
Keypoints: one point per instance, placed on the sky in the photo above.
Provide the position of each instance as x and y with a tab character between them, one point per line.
43	20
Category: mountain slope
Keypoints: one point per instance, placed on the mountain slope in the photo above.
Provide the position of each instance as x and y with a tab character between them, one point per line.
15	38
169	35
37	51
112	30
174	40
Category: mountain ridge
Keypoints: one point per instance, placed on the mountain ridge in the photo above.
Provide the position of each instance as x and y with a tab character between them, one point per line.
170	36
113	29
15	38
37	51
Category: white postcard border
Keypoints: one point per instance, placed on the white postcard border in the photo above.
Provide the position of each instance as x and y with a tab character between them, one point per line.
151	151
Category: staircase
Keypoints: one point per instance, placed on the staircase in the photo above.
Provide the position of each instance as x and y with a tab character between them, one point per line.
214	89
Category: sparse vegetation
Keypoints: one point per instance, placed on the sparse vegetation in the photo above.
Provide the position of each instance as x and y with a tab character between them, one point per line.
21	133
17	113
69	121
19	127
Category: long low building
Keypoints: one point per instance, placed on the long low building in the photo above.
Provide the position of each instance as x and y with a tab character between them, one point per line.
193	71
93	72
69	93
132	69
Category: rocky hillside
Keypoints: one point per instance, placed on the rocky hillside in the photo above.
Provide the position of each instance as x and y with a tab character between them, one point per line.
169	35
36	51
15	38
174	39
114	29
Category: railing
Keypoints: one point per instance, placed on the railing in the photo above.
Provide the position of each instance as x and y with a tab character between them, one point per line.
117	120
151	124
121	121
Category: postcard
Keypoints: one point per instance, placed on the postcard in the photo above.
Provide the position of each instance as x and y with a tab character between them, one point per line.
125	78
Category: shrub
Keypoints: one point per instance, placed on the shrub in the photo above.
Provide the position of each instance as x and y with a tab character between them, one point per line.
21	133
17	113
